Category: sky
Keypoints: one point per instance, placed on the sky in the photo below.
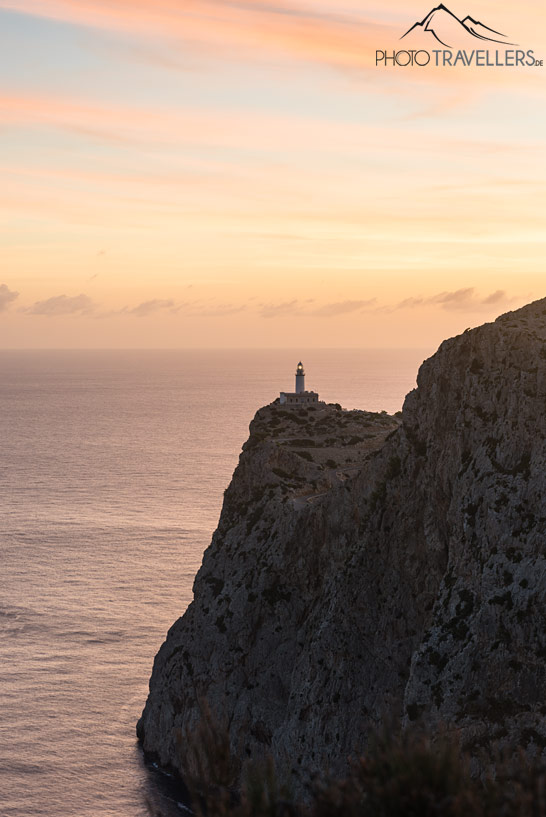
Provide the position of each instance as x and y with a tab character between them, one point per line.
241	173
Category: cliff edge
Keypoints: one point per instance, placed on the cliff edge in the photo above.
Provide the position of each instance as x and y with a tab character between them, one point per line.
366	567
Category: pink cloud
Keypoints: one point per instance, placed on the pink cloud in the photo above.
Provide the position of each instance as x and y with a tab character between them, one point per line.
302	32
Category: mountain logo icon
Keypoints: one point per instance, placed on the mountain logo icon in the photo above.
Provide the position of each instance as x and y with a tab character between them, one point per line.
442	25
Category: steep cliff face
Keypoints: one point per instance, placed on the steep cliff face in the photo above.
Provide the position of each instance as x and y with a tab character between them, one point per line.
364	568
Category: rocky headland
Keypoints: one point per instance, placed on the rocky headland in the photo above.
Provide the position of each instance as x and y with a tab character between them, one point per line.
368	567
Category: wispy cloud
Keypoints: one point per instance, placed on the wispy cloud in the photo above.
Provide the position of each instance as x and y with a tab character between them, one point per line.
342	308
229	27
238	128
162	124
280	310
7	296
221	311
459	299
463	299
302	308
63	305
149	307
188	309
496	297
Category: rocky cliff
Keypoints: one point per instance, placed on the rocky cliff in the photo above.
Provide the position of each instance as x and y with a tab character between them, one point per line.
367	567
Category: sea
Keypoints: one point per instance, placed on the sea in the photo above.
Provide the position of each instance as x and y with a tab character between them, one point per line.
113	466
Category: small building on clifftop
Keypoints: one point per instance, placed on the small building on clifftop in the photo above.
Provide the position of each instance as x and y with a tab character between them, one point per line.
299	397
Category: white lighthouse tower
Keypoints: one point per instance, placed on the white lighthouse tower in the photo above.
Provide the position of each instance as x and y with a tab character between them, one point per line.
300	378
300	397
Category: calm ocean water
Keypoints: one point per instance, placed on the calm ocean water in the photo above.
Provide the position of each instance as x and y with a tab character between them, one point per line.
112	470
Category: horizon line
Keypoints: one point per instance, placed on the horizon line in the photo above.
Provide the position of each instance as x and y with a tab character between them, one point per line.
208	348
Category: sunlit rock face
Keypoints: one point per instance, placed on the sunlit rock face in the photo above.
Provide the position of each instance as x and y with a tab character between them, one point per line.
367	567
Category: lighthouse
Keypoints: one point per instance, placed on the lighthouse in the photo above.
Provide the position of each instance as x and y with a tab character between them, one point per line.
300	378
299	397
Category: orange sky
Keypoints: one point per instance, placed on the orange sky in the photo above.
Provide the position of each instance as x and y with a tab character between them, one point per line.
242	174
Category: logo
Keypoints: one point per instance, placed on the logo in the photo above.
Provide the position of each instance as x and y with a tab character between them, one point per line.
442	39
442	25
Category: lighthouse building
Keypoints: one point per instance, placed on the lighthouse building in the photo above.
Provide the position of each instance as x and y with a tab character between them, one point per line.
299	397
